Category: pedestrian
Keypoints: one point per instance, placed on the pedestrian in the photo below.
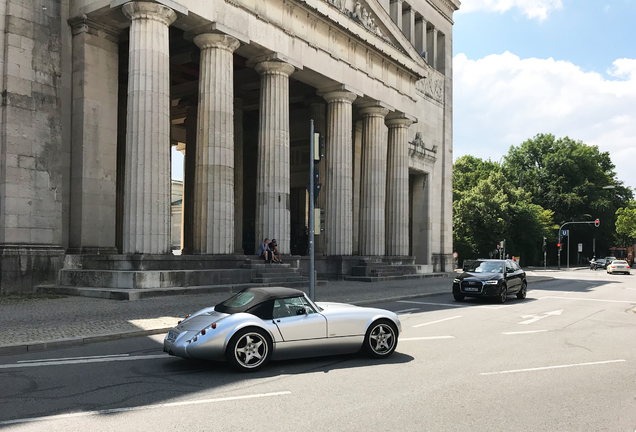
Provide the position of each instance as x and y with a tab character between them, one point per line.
264	252
273	249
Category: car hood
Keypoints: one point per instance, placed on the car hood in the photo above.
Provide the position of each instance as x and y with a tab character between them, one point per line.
332	305
480	276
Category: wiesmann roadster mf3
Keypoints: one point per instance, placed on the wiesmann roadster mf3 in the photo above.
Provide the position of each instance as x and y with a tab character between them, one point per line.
259	324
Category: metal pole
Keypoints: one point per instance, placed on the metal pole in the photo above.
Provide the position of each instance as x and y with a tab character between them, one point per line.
569	236
559	251
545	257
311	210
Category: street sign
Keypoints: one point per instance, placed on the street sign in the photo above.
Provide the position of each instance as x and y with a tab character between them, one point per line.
564	233
455	255
580	247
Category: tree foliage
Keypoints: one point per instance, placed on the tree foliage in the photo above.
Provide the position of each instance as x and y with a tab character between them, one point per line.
538	186
626	224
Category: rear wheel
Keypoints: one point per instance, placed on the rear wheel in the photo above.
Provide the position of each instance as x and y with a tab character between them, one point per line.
523	291
381	339
503	295
459	297
249	350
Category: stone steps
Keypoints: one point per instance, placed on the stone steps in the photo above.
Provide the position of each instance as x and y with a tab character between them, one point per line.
395	278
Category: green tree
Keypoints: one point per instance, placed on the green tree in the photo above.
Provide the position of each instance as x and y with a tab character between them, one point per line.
626	224
569	177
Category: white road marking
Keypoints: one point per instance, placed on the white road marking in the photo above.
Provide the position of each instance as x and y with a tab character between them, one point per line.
82	361
426	338
140	408
589	299
552	367
438	321
535	318
427	303
407	310
524	332
72	358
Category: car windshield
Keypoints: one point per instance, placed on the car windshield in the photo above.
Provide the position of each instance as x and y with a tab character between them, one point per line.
486	267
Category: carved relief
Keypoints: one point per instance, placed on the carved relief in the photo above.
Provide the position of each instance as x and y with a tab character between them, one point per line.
432	86
417	148
361	15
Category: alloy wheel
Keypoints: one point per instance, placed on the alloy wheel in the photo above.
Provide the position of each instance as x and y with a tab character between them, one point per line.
382	339
251	350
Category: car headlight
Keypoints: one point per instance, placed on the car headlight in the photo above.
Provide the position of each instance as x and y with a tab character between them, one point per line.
492	282
456	281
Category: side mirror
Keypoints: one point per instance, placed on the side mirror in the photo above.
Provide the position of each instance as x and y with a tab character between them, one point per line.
302	310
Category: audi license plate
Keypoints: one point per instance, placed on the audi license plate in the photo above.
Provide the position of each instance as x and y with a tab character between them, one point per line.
469	288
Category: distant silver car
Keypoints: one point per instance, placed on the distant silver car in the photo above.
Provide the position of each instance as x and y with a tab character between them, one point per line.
618	266
259	324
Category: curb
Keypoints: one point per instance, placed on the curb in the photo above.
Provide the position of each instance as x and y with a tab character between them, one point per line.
73	342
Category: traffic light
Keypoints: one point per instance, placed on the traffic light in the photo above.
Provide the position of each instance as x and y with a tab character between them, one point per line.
317	184
319	220
597	223
559	245
544	245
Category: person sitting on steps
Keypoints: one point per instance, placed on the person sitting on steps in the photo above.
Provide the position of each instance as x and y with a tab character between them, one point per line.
264	252
273	250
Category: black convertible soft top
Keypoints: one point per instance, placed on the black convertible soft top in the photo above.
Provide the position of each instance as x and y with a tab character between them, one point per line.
249	297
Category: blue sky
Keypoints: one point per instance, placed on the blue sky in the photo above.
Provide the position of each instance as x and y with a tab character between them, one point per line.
565	67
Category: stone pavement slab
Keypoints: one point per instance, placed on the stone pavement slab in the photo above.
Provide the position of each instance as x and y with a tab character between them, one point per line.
49	322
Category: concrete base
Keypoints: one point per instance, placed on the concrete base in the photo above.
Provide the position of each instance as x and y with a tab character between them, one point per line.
344	267
22	267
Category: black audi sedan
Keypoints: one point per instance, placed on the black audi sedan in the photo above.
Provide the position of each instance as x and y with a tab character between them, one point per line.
491	278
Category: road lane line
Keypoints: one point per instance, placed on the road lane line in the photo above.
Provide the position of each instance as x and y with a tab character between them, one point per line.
524	332
587	299
73	358
552	367
91	360
406	310
426	338
438	321
427	303
140	408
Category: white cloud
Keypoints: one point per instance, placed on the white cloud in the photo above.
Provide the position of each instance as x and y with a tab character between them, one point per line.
530	8
502	100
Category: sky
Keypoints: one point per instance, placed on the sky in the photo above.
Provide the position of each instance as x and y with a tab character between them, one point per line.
565	67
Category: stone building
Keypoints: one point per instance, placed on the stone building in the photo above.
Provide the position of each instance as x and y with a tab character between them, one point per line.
95	92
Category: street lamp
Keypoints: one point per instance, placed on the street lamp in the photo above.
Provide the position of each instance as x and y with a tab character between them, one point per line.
609	187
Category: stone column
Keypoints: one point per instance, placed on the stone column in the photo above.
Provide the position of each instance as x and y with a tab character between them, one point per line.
397	187
189	163
318	111
94	138
181	147
339	173
420	35
238	176
357	164
373	181
396	12
214	173
408	24
272	174
431	50
146	227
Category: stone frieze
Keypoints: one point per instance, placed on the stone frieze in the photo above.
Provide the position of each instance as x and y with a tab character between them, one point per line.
418	149
432	86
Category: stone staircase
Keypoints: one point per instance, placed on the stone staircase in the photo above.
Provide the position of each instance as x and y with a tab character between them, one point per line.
379	269
131	278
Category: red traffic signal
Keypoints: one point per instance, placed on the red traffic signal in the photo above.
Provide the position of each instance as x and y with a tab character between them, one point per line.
558	245
597	222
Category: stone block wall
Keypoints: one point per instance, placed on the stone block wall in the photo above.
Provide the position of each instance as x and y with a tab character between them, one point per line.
31	153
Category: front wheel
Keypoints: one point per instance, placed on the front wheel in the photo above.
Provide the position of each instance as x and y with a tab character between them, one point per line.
459	297
503	295
249	350
523	291
381	339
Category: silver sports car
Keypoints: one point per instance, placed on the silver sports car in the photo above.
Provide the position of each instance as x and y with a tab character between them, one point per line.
259	324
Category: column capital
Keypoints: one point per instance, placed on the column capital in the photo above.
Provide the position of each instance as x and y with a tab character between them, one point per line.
274	68
397	1
216	40
340	96
83	24
399	120
150	11
374	111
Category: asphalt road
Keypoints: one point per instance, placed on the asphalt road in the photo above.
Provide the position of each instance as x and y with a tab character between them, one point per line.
564	359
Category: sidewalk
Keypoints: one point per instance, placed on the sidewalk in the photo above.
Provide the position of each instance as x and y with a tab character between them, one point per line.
48	322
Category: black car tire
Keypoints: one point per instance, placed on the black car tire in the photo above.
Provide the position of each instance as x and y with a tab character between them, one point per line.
459	297
261	345
380	328
523	291
503	294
